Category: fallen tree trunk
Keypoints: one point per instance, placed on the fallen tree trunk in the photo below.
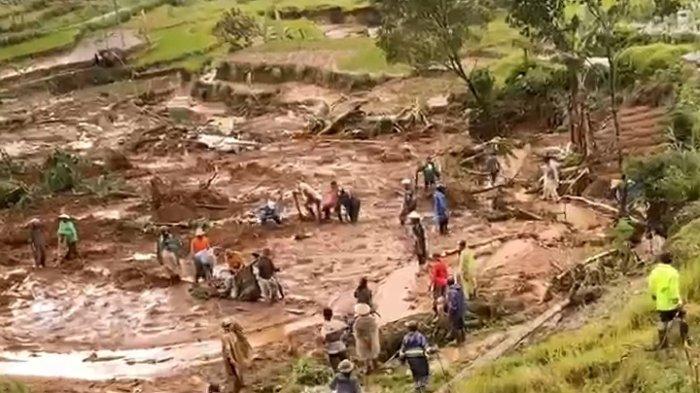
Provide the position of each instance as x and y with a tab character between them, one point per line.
588	261
332	127
520	333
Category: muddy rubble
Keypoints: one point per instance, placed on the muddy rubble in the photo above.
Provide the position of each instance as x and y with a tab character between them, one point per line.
143	325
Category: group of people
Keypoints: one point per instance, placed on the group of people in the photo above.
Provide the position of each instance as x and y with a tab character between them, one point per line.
342	201
222	269
66	233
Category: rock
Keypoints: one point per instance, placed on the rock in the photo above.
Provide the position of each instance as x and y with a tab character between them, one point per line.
599	188
116	160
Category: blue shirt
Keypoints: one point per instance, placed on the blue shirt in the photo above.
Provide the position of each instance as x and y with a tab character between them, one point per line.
456	304
440	203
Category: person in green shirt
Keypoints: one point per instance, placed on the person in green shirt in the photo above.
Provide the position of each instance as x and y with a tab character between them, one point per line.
431	173
664	285
467	265
67	237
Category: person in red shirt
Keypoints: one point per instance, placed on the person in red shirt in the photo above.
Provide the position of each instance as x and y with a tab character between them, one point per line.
330	201
439	273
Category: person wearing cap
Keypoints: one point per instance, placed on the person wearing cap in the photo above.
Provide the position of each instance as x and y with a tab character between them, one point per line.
264	270
202	256
366	331
67	236
167	249
333	333
550	178
467	265
664	285
442	213
344	382
37	242
414	351
409	203
236	352
456	306
270	212
430	171
420	245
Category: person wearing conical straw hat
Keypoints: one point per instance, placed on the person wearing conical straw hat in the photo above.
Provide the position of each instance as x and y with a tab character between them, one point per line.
366	331
236	352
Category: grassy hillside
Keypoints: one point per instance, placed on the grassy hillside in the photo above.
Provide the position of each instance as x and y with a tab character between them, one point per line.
610	355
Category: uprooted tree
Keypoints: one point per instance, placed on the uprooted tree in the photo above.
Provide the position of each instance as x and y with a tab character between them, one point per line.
425	34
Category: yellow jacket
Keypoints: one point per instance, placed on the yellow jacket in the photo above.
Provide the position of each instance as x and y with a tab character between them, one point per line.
664	284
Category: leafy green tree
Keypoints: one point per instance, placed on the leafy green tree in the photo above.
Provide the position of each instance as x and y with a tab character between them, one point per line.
667	7
547	22
429	33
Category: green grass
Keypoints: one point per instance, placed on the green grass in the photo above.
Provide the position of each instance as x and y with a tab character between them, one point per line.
178	42
39	45
605	356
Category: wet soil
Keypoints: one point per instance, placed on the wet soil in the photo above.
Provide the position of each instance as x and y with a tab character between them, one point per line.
117	301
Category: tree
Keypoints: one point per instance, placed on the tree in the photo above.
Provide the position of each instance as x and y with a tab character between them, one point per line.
237	29
546	22
667	7
608	37
426	33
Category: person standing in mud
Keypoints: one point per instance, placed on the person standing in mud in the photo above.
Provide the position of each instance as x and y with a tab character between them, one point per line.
312	199
351	203
430	171
37	241
550	179
409	203
414	351
67	237
467	266
167	250
330	201
366	331
456	307
236	352
333	333
363	294
442	213
420	245
264	269
439	272
493	167
202	256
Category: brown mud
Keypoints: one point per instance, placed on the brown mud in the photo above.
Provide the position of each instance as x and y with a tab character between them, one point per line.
117	308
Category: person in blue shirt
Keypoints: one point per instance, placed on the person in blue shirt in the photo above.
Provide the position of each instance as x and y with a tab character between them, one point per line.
414	351
442	212
456	307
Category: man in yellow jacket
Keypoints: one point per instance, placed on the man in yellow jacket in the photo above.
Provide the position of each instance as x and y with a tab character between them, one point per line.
664	285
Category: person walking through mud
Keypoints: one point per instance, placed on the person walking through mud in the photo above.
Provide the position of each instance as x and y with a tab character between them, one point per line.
37	242
363	294
456	308
664	285
431	173
67	237
167	249
493	167
409	202
344	382
264	270
366	331
420	245
442	213
236	352
414	351
333	332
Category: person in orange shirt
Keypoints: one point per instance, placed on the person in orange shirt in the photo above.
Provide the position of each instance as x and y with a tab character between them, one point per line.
201	256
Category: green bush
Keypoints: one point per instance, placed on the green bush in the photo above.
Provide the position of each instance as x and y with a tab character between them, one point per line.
309	372
642	62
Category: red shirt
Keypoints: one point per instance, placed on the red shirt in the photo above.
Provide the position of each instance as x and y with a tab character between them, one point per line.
439	273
